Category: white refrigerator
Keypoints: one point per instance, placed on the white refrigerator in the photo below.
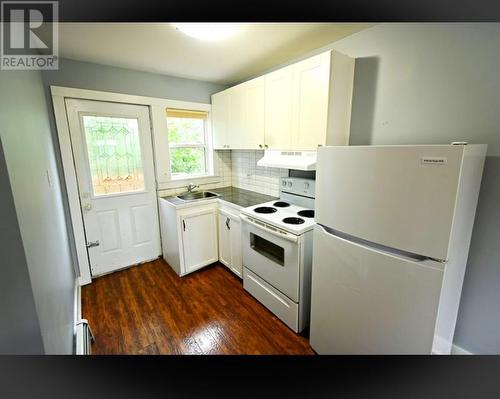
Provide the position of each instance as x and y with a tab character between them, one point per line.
390	246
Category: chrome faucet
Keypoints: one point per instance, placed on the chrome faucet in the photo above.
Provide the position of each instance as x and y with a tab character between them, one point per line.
191	187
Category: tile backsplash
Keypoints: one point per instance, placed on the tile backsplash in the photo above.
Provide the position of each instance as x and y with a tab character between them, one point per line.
238	168
247	175
222	169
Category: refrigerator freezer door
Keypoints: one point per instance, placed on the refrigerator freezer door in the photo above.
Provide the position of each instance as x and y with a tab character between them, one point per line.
365	301
398	196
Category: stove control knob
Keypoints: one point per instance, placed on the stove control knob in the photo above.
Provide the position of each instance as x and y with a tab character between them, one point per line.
306	186
283	183
289	184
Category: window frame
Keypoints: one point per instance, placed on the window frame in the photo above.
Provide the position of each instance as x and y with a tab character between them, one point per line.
207	146
161	147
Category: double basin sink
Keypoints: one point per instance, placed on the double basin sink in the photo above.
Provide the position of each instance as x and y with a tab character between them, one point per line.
197	195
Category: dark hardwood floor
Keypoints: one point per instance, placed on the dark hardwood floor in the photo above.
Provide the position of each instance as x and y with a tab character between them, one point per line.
148	309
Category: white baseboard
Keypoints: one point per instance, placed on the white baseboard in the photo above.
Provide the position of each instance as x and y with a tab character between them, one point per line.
457	350
84	280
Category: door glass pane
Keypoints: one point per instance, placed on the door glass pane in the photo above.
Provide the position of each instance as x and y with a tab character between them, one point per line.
114	152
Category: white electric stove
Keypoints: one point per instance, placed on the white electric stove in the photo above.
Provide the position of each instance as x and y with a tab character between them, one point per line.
277	251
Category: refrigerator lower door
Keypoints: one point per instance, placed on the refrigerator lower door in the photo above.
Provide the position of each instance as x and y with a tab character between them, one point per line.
368	301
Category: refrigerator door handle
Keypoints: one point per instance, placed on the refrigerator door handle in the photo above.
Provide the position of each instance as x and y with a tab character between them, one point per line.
381	248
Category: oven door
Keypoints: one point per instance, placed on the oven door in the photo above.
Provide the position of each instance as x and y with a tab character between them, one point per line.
272	255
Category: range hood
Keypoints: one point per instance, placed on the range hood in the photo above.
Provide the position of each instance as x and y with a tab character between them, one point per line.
299	160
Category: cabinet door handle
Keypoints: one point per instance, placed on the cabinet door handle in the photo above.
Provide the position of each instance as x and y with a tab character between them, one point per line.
266	146
184	225
260	145
227	224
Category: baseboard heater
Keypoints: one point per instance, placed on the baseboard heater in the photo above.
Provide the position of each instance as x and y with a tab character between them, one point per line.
84	337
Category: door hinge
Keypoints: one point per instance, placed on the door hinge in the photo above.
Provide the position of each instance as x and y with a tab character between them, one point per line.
93	244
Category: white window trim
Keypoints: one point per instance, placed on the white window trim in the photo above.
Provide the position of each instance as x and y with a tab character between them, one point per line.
209	150
157	107
162	154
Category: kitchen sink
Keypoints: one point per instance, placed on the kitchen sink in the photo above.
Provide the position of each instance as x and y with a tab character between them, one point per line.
197	195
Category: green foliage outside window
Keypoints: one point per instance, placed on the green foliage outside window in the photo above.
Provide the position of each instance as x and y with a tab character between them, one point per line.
186	137
187	160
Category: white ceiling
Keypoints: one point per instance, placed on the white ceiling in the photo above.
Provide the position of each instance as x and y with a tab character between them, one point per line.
161	48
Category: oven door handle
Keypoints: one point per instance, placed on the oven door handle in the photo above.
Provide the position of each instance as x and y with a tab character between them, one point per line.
280	233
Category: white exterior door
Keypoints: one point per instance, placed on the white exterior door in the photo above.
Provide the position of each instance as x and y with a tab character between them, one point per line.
113	156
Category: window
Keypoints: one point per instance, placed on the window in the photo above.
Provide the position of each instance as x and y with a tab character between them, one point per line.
188	143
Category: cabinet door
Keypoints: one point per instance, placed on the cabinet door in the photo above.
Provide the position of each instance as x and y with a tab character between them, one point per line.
199	239
224	240
253	114
278	108
220	119
236	256
236	127
311	79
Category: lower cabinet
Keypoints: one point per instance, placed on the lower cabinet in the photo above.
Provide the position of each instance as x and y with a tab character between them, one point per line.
230	241
189	236
199	235
199	238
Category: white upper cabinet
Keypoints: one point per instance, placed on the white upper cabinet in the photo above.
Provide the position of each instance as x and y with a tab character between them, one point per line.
310	89
236	128
220	119
278	108
298	107
238	116
253	114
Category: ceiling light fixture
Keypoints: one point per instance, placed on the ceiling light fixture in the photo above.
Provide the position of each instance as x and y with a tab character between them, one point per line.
208	31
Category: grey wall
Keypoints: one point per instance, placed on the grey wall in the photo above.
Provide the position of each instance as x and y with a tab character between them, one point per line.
438	83
30	158
19	328
85	75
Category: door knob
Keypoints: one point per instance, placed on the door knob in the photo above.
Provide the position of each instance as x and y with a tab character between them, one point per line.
87	207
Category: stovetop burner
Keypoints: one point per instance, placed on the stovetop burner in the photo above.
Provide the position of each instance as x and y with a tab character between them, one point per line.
307	213
281	204
265	209
293	220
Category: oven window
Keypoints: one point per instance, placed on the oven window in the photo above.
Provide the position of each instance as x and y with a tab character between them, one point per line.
268	249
